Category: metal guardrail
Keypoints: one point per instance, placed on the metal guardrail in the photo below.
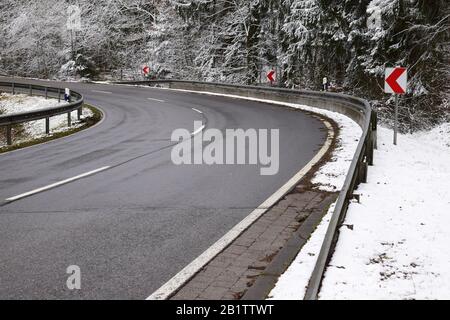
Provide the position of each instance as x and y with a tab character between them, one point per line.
8	120
357	109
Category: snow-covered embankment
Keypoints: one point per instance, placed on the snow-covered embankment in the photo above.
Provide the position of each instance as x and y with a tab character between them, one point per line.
35	129
397	244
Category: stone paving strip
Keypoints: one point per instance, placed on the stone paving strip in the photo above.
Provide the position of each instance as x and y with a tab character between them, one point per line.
249	267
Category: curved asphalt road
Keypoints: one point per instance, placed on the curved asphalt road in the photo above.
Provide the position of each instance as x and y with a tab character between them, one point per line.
134	226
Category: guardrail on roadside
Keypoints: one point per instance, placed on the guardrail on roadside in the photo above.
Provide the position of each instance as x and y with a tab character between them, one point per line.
8	120
357	109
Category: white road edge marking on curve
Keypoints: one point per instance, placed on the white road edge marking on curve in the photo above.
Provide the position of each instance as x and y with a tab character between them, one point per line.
158	100
198	130
167	289
56	184
196	110
101	91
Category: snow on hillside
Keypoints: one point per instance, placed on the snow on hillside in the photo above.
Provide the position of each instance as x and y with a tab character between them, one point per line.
398	248
293	283
35	129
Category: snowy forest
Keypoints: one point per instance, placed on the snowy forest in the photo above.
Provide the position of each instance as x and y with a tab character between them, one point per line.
238	41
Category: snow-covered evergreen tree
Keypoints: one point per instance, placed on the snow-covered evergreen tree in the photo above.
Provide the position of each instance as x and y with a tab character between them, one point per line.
238	41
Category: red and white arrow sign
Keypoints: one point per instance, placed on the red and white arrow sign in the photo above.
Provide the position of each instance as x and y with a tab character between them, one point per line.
395	80
270	75
146	70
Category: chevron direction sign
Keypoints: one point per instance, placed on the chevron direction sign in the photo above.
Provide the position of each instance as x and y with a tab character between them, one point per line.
395	80
270	76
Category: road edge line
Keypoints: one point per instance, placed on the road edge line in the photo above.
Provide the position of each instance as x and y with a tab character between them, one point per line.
183	276
55	184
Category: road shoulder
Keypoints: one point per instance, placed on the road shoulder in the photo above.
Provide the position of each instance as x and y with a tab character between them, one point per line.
249	267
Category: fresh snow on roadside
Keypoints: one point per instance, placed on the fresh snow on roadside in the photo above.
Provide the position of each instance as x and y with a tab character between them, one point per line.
34	129
439	136
398	248
293	282
330	177
20	103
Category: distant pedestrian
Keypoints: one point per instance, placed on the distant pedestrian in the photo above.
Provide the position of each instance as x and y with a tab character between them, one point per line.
325	84
67	95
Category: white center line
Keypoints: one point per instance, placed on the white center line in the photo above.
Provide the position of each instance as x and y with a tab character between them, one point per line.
100	91
56	184
196	110
198	130
153	99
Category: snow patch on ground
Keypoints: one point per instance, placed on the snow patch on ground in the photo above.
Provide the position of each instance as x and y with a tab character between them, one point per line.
293	283
21	103
399	246
439	136
35	129
330	177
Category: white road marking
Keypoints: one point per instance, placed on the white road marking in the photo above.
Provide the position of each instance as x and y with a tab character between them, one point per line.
158	100
56	184
100	91
166	290
198	130
196	110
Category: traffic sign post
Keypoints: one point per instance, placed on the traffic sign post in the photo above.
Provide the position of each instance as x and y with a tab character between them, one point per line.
396	120
395	82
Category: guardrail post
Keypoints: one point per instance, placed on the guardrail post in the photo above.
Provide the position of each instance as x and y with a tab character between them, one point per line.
79	112
8	135
47	125
31	90
374	128
369	148
359	175
13	88
69	119
46	93
364	169
59	95
374	139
